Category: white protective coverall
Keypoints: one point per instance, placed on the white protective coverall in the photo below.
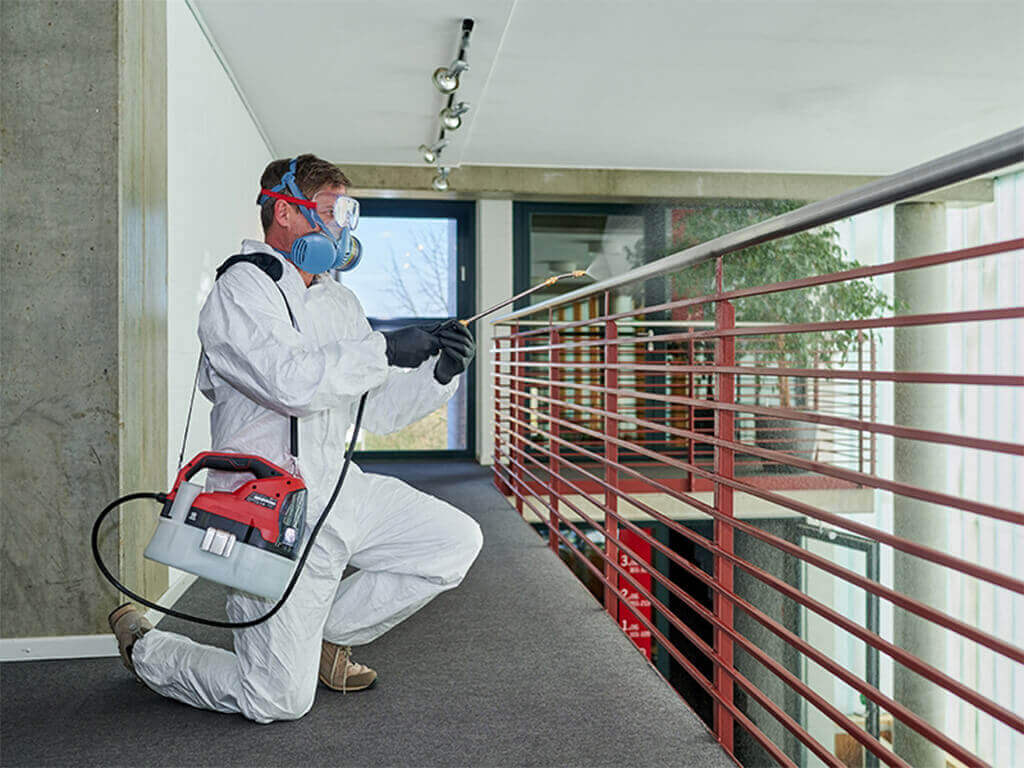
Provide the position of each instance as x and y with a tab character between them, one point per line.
408	546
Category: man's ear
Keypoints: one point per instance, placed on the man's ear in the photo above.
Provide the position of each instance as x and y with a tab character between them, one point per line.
282	213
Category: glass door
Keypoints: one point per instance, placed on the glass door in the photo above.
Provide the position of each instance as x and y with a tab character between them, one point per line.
417	269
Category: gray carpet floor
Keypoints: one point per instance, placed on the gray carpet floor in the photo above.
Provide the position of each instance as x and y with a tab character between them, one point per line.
518	666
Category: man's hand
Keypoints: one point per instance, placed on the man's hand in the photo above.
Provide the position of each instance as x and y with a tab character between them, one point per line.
457	350
408	347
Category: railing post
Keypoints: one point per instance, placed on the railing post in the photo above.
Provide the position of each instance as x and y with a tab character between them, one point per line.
519	397
725	392
874	414
495	369
611	452
555	412
692	426
500	480
860	400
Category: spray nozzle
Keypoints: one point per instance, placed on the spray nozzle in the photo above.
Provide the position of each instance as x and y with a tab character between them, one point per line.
601	268
550	281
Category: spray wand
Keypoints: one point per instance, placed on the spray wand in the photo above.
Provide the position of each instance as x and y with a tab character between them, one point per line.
527	292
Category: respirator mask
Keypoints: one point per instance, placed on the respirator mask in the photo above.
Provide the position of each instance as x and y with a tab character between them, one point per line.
333	246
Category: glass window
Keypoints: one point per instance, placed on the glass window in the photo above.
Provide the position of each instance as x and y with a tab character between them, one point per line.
566	238
410	268
416	269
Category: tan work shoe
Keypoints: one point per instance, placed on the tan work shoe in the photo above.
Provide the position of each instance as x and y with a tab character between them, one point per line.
340	673
128	625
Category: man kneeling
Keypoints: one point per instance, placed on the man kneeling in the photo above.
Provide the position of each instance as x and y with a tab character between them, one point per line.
302	347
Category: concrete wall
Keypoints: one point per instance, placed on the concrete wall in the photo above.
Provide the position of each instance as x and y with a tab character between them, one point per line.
920	228
473	182
83	255
787	613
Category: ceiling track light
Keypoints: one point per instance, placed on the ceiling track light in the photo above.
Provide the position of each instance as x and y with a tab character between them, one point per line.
446	79
431	152
451	115
440	182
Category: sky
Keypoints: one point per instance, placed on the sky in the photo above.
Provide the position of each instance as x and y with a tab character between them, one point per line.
403	247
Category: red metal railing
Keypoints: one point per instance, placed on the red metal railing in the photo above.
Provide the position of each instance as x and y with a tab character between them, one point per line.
607	422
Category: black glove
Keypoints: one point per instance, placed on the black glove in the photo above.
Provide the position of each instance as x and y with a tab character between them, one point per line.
408	347
457	350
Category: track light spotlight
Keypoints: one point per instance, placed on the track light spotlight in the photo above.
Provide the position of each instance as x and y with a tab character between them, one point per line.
433	151
440	182
451	116
446	79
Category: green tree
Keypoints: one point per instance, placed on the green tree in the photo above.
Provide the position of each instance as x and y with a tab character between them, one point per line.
814	252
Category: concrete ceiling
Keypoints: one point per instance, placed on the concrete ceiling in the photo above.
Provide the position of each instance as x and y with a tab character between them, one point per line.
833	86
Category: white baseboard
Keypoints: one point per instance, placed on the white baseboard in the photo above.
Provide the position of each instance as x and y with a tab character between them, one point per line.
84	646
67	647
182	581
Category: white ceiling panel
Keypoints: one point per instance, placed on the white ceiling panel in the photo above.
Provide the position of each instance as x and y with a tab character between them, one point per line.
351	80
820	87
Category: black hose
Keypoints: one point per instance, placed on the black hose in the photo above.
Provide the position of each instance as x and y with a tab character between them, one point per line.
298	568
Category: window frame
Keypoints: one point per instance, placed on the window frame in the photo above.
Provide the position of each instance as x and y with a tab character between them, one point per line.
654	234
464	214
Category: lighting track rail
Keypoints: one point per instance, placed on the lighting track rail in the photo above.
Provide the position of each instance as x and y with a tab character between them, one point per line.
446	80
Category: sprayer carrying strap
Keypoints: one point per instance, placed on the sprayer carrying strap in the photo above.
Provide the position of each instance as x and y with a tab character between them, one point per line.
273	269
162	497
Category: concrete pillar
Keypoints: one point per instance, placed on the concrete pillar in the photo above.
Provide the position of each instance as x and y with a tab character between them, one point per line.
494	283
83	255
920	228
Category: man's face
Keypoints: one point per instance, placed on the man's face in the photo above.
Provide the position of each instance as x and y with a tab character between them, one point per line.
294	224
325	198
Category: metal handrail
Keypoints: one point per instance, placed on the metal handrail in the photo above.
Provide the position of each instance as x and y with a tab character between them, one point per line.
998	152
592	409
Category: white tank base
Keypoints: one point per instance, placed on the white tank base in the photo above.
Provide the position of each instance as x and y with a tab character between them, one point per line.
244	567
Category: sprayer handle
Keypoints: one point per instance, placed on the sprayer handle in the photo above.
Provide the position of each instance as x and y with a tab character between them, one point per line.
232	462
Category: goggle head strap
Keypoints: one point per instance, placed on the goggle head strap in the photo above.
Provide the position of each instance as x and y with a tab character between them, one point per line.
308	207
288	179
287	198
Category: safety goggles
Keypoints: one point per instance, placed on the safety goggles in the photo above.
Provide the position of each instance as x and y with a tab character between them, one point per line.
338	212
333	211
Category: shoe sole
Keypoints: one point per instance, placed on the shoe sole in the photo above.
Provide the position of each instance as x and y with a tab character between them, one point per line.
348	689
